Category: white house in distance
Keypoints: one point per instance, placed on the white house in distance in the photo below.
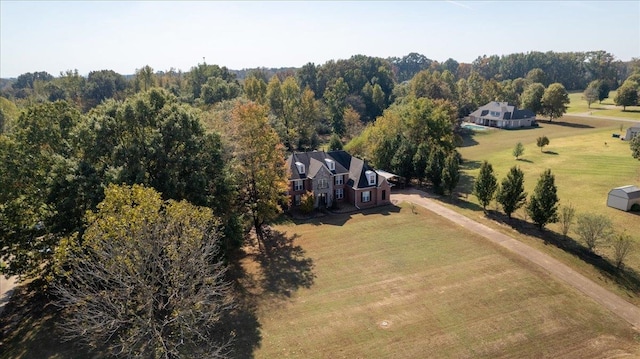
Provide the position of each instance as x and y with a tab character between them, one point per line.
623	197
502	115
632	132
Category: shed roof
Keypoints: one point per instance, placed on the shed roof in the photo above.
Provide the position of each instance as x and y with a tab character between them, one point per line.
630	191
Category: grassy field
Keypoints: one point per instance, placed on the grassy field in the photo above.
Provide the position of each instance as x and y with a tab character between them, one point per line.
607	108
410	284
586	161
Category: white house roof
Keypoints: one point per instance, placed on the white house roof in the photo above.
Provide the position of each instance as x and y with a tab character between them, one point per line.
630	192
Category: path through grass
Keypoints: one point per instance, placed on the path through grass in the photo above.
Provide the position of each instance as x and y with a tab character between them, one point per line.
411	284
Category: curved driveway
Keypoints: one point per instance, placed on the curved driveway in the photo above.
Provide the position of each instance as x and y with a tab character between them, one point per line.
555	268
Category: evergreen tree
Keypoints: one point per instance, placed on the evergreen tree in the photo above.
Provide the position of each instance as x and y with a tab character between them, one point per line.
543	205
486	185
335	143
511	194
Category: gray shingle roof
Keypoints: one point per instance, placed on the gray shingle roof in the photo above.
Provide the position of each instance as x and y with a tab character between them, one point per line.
344	163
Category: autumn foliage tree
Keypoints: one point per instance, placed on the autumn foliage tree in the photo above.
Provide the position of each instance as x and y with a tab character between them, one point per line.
147	280
260	165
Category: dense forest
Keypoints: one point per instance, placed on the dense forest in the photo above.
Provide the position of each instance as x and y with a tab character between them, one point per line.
217	139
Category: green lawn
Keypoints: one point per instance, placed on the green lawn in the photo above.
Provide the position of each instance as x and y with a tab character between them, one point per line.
607	108
586	161
412	285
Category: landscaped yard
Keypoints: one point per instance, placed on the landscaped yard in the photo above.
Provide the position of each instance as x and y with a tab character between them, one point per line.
607	108
586	161
410	284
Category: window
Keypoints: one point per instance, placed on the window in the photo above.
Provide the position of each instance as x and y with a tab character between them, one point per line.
298	185
339	180
366	196
330	164
494	113
339	193
384	195
297	199
300	167
371	177
322	183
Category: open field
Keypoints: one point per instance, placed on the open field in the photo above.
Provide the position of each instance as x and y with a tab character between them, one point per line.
607	108
411	284
585	169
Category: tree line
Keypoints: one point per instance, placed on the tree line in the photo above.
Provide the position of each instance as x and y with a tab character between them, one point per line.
95	167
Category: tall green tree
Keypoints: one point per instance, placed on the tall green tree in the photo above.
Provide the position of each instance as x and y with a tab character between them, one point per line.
29	156
555	101
336	96
511	194
335	143
627	95
451	173
485	185
531	98
543	204
435	165
260	165
148	280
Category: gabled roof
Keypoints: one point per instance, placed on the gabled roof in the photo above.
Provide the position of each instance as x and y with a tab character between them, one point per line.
507	112
630	192
344	163
313	162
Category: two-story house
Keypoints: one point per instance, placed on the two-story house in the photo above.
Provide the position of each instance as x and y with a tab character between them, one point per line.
336	176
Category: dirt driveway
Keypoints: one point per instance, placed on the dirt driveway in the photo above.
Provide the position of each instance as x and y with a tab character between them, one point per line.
555	268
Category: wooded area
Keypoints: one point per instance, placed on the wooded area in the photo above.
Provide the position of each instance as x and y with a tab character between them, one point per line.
216	139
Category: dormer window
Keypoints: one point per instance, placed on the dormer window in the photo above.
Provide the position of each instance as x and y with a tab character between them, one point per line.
300	167
371	177
331	164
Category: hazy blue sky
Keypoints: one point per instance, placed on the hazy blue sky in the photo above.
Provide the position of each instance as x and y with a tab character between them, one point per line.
122	36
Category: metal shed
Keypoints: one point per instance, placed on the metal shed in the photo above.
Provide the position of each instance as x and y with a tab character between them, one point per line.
623	197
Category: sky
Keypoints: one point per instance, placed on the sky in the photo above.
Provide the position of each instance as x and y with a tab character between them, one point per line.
123	36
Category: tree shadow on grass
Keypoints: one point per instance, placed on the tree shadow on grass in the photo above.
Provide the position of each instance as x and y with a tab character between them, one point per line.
626	277
524	160
282	268
284	264
28	330
550	153
566	124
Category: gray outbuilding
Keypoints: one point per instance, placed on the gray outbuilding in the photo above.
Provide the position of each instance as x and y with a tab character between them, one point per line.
623	197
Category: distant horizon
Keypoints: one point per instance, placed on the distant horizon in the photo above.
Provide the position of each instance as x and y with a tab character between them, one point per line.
57	74
56	36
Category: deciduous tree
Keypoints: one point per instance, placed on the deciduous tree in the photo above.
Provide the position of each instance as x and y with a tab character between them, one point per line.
261	169
518	150
622	245
593	229
148	280
627	95
555	101
542	141
591	93
485	185
566	218
532	98
543	204
451	173
635	147
511	194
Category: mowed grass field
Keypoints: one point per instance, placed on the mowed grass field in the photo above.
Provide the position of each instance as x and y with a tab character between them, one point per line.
410	284
607	108
586	161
